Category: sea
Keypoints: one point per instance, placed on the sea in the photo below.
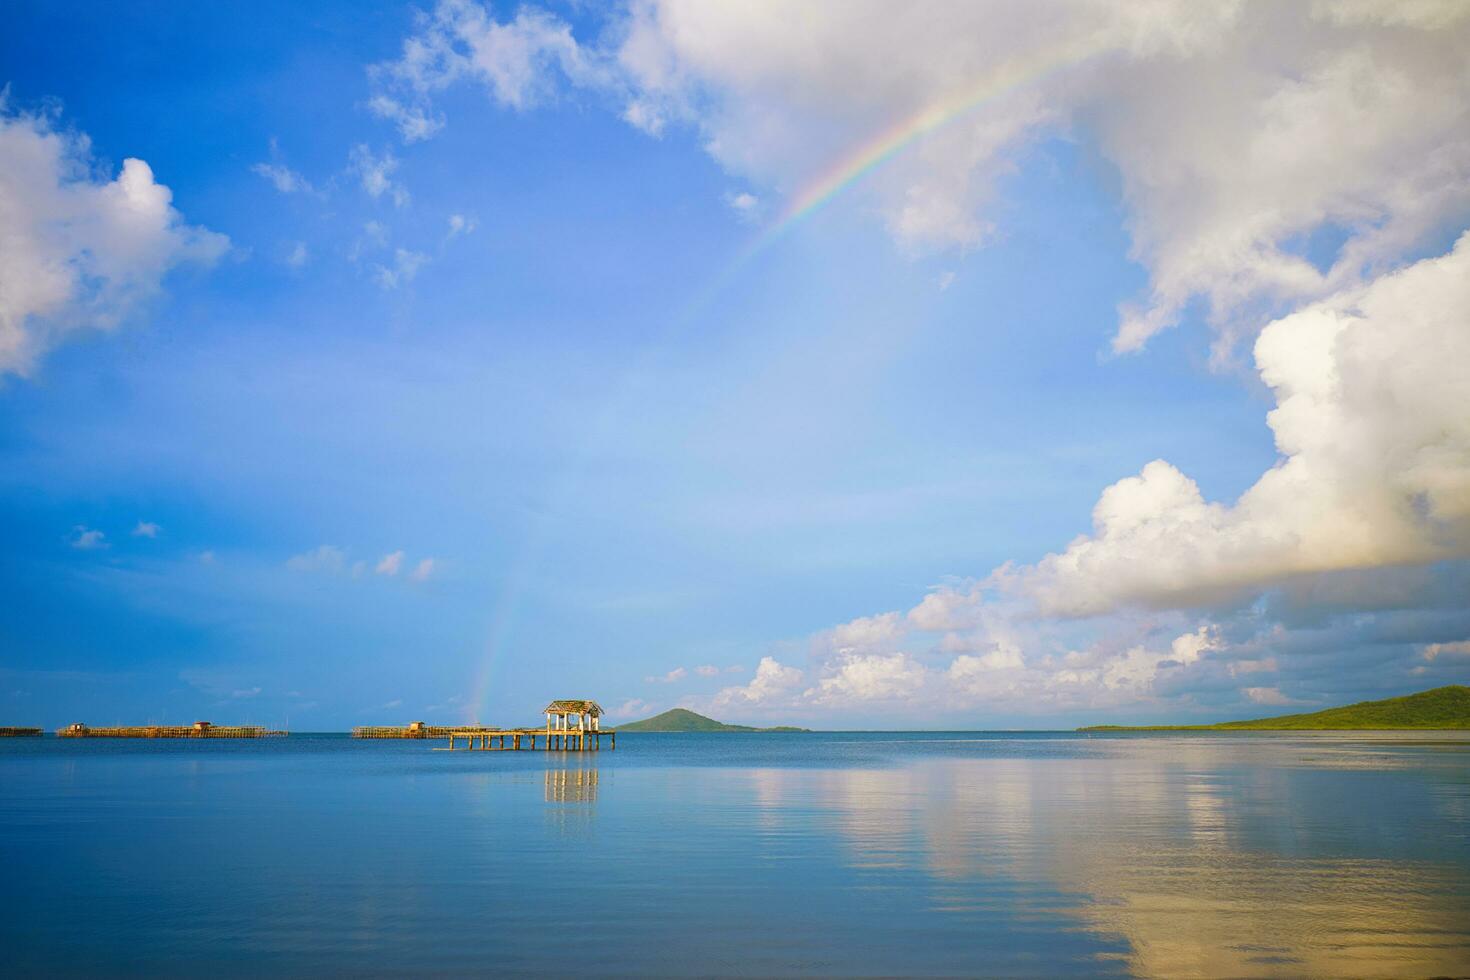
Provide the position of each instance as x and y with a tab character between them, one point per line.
1043	854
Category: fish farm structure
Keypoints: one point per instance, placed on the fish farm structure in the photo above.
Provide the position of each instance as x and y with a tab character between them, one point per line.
18	732
200	729
417	729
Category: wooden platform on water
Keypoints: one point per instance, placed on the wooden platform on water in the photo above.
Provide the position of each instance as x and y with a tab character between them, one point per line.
419	730
526	739
197	730
18	732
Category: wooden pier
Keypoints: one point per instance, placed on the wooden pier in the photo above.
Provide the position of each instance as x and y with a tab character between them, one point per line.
571	726
530	739
200	729
18	732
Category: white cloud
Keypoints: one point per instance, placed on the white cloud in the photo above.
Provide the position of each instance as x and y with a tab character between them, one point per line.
374	236
396	702
862	634
414	122
969	667
285	180
87	539
707	670
870	677
244	692
405	266
79	252
1434	651
517	62
677	674
375	173
146	529
206	557
1374	438
422	570
631	707
323	558
1239	668
1235	128
745	204
1266	695
389	563
298	256
1246	139
460	224
773	682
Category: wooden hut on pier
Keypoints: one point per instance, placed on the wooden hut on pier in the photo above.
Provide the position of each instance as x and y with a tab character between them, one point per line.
561	714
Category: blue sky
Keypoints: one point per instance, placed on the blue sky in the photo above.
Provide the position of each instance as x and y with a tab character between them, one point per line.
438	388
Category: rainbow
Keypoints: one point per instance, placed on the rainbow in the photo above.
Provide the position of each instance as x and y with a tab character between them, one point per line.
844	174
883	147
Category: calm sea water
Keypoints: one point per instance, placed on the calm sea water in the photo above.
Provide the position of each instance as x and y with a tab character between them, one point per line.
1044	855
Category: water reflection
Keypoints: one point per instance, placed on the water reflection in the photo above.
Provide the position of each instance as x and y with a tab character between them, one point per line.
1208	859
571	786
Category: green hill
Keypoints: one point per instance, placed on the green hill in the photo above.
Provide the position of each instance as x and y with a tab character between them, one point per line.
1442	707
684	720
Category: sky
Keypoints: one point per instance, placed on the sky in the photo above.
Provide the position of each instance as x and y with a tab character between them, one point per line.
996	365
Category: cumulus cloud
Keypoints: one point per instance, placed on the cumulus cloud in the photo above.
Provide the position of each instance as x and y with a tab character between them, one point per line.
707	670
460	224
1434	651
374	237
84	538
677	674
406	265
864	634
745	204
422	570
1374	437
773	682
1283	166
517	62
146	529
1266	695
323	558
871	677
1366	511
375	174
389	563
1237	130
79	250
298	255
631	707
283	178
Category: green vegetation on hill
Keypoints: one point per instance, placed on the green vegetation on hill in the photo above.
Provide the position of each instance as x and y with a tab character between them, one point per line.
684	720
1442	707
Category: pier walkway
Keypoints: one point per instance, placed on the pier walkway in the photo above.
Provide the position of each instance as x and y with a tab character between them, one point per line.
526	739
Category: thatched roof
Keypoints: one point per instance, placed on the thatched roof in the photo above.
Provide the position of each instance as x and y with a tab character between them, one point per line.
574	707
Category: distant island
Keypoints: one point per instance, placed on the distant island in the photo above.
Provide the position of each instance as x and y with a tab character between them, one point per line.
1441	707
684	720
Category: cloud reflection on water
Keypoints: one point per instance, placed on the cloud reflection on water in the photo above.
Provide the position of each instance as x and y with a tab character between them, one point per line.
1207	857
